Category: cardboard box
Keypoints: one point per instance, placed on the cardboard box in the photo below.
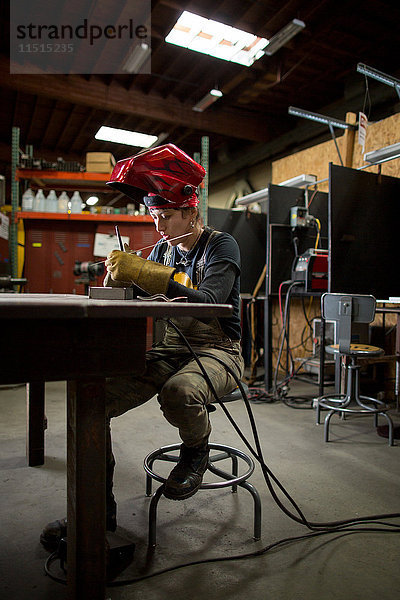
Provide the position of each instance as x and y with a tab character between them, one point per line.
99	162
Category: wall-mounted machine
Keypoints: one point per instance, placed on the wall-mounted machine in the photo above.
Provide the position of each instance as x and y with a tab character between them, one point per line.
311	267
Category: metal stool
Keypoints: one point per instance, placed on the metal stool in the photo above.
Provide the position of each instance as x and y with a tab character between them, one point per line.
229	479
346	309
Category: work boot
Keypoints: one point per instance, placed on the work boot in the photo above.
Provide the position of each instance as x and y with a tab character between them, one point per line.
185	479
54	531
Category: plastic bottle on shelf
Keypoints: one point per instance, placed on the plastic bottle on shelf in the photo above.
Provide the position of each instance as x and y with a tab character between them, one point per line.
27	200
52	202
39	202
76	203
63	201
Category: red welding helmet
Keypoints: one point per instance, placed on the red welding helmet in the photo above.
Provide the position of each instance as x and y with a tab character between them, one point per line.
165	171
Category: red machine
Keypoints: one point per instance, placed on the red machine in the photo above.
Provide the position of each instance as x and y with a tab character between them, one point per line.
311	267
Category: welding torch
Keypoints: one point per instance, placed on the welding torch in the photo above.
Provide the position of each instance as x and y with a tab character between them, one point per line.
119	238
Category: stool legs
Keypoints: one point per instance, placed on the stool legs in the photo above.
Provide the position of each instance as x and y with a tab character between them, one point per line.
232	479
348	404
256	497
153	516
257	508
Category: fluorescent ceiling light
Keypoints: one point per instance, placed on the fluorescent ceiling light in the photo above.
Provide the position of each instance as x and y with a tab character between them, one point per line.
306	114
379	76
300	181
216	39
122	136
136	58
258	196
283	36
92	200
207	100
383	154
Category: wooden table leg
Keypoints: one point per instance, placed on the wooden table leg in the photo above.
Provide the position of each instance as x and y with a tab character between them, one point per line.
397	380
86	465
35	423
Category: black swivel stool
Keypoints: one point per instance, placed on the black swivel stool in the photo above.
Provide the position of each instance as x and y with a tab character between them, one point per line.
346	309
218	452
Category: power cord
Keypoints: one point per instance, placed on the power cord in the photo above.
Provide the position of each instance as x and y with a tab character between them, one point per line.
258	454
345	527
276	388
283	542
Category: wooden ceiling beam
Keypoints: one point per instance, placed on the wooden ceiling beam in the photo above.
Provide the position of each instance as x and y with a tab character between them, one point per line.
115	98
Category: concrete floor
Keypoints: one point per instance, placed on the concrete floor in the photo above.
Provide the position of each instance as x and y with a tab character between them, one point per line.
356	474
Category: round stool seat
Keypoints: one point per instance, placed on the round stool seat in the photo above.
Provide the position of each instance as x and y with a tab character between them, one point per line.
357	350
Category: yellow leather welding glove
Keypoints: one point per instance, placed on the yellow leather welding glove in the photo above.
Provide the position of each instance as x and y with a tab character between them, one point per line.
150	276
109	282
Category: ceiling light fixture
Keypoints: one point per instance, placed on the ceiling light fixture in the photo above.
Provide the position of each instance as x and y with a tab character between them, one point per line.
305	114
383	154
122	136
283	36
379	76
216	39
300	181
207	100
137	58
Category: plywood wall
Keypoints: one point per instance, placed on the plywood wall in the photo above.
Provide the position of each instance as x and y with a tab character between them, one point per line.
380	134
315	160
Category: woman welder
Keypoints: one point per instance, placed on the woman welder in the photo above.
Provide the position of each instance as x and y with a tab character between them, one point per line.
204	266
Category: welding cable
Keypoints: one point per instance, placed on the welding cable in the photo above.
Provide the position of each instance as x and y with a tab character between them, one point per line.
312	197
258	454
284	330
340	532
317	529
284	336
287	282
245	555
317	222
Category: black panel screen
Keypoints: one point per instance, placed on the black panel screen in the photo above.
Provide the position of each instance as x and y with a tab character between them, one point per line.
364	233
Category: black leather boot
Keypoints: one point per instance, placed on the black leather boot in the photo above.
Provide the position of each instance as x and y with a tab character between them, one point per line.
185	479
54	531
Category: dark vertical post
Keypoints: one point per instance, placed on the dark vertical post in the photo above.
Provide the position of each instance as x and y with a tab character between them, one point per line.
86	443
35	423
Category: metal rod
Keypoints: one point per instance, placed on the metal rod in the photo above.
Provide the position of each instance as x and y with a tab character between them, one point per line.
151	245
119	238
336	144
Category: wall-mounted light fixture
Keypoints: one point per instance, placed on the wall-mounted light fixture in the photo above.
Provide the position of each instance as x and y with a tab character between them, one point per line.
258	196
137	58
207	100
383	154
300	181
306	114
379	76
283	36
330	121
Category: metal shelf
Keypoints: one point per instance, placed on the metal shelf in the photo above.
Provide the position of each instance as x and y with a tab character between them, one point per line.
65	180
83	217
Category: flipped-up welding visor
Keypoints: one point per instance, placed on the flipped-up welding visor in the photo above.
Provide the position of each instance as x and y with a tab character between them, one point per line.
166	172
